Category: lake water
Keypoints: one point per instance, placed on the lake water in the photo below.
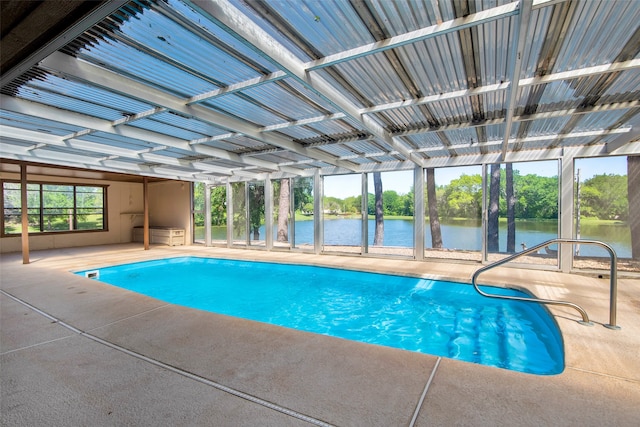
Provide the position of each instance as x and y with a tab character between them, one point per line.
459	234
466	234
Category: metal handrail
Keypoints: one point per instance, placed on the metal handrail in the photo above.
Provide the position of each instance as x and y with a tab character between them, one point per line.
585	318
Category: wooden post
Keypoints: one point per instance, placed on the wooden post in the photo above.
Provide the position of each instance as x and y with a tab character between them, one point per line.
145	196
25	213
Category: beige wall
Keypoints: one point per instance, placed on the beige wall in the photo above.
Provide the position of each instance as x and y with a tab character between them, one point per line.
169	205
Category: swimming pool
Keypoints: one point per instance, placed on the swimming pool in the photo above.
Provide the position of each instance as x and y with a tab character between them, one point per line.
435	317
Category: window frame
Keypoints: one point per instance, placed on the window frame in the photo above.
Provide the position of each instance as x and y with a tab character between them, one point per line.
41	210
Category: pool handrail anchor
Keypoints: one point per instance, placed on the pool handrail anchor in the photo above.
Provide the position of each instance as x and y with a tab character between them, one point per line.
585	318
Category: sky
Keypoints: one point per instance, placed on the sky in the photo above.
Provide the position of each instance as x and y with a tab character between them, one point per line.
343	186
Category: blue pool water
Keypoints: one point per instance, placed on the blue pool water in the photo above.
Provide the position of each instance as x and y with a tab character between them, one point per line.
427	316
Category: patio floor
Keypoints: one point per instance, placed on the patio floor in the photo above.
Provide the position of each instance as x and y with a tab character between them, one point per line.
74	351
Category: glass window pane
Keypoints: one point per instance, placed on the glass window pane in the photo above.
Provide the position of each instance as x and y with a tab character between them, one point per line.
603	210
256	213
62	208
219	214
342	217
523	210
281	212
57	212
198	212
12	207
453	213
303	200
239	215
390	231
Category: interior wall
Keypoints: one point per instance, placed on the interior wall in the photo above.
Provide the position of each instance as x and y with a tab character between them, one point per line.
170	206
124	211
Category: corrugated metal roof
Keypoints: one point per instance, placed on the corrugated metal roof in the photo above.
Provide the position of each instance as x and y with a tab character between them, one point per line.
235	89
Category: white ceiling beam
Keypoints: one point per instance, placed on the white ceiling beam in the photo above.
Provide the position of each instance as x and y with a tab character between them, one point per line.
528	117
303	122
71	160
125	86
440	29
515	67
107	151
550	137
231	20
40	110
421	34
436	98
581	72
247	84
623	140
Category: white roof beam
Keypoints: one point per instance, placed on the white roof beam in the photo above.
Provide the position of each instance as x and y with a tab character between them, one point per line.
303	122
623	140
247	84
415	36
107	151
528	117
115	82
39	110
551	137
246	31
524	16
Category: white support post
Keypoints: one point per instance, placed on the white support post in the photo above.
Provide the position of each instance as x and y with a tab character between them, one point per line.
247	215
566	213
207	215
229	215
318	216
268	213
364	210
485	195
418	213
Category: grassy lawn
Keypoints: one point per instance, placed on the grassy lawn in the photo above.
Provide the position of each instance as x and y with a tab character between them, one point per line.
57	223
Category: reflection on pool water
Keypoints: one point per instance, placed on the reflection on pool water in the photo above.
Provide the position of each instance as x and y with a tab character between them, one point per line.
440	318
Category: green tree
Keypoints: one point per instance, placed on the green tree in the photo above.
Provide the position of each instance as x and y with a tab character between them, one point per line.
303	193
219	205
537	197
256	207
392	202
605	197
462	198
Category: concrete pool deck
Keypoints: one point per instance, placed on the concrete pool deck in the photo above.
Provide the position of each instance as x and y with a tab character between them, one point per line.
74	351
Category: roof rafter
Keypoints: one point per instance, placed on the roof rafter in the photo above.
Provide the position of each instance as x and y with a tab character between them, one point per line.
242	28
89	122
515	69
108	150
110	80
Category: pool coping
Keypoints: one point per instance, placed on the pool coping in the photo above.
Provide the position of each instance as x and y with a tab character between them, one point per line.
326	379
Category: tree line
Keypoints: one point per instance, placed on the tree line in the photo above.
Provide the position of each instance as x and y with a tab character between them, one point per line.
511	196
602	197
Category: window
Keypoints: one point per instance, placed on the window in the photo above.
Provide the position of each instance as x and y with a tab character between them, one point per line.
54	208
